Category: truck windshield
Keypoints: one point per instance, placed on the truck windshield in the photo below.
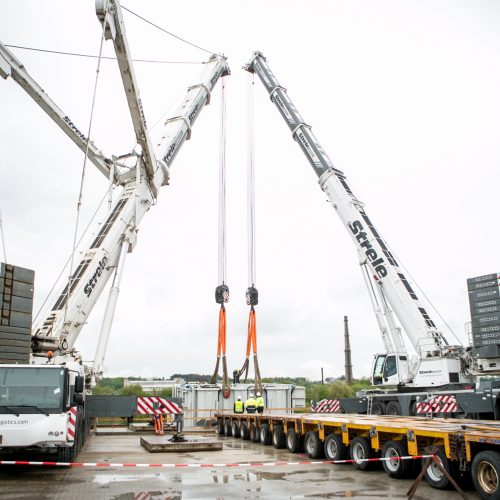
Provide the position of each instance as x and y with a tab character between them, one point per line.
41	387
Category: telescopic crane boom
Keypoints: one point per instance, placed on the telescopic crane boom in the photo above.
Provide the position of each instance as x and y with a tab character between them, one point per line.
437	363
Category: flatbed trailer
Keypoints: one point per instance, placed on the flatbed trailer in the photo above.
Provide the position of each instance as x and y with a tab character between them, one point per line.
466	448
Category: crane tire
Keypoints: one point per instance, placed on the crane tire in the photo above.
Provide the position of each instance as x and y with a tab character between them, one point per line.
395	468
265	434
335	449
244	434
294	442
393	408
313	445
378	408
279	438
486	474
360	449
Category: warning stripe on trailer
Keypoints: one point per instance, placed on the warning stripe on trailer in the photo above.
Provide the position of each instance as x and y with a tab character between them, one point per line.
438	404
204	465
153	405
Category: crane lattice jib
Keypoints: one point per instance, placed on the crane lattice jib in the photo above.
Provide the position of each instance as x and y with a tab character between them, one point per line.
372	249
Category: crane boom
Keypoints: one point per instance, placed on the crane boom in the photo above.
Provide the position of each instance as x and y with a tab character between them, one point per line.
373	251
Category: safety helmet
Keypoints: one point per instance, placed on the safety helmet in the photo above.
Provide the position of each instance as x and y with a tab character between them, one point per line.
251	395
258	394
239	398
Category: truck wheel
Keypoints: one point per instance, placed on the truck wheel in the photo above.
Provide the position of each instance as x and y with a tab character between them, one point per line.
293	441
265	434
335	449
244	431
486	474
235	430
220	426
395	468
279	438
67	454
393	408
378	408
312	445
254	433
227	428
360	449
434	475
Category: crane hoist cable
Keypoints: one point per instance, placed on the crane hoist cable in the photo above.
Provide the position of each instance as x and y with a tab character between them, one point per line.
252	294
222	290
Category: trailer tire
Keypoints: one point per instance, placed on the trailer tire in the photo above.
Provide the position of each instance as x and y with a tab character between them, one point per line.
244	431
293	441
265	434
220	426
393	408
335	449
235	429
360	449
434	476
254	433
395	468
378	408
486	474
279	438
313	445
227	428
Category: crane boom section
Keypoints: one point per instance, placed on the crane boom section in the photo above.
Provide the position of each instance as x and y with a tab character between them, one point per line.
372	250
11	66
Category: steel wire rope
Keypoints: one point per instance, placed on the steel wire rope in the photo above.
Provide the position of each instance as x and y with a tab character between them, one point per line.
69	258
84	166
76	54
168	32
251	185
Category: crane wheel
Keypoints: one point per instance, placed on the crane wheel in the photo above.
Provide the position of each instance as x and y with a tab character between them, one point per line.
393	408
378	408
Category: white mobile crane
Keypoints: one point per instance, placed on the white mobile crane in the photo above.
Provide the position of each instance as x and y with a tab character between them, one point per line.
435	365
42	405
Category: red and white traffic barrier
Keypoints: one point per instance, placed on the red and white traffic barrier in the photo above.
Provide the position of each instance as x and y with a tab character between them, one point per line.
204	465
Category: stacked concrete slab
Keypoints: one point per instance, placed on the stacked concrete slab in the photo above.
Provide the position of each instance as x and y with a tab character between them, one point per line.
484	301
16	301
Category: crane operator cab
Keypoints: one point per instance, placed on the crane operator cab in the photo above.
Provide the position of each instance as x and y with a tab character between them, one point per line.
390	369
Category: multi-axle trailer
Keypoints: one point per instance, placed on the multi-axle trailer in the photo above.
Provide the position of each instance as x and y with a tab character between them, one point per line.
465	448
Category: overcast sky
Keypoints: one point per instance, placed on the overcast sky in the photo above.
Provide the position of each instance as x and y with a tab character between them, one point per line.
404	96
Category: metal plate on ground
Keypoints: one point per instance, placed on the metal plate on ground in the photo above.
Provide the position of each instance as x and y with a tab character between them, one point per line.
161	444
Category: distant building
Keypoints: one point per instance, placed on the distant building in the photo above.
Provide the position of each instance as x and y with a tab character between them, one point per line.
151	385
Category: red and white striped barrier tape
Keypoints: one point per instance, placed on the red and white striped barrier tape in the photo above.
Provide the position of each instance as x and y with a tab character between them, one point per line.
204	465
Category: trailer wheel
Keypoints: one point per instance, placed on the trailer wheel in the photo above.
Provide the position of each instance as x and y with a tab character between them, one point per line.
279	438
293	441
235	430
395	468
313	445
254	433
486	474
393	408
360	449
335	449
434	476
220	426
227	428
244	431
378	408
265	434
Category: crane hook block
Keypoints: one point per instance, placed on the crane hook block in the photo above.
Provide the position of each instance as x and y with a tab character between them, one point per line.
252	296
222	294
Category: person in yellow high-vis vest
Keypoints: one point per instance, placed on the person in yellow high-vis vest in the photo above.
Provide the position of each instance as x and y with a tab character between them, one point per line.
238	405
259	403
250	404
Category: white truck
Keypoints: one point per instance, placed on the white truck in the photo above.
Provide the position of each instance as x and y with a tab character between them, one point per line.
42	403
435	366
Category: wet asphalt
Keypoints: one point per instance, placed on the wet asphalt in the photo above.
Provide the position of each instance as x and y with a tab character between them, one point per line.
254	482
